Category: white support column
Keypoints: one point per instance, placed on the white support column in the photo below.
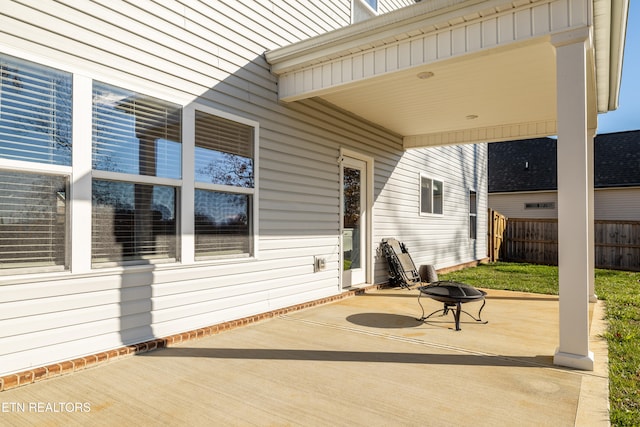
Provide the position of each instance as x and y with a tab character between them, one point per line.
575	188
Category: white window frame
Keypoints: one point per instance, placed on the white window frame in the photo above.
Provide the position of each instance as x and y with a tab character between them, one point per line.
190	185
128	178
18	166
473	216
80	176
432	179
362	10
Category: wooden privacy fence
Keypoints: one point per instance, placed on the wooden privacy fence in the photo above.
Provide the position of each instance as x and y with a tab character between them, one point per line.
617	243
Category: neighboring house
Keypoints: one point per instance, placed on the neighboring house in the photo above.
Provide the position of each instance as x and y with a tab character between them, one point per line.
171	165
523	177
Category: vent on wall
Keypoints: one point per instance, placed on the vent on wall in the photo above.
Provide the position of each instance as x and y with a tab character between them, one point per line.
545	205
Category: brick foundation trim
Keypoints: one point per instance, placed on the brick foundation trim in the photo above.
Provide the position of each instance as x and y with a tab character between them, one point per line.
41	373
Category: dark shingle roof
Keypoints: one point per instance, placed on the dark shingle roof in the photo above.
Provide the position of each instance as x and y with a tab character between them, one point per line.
531	164
526	165
617	159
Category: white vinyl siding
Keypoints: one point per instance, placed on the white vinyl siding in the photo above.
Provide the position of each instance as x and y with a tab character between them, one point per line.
513	205
430	239
212	57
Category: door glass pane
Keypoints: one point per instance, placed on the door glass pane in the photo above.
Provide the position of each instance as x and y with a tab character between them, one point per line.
352	212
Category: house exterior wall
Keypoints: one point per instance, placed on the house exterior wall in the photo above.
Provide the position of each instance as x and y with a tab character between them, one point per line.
616	204
513	204
193	54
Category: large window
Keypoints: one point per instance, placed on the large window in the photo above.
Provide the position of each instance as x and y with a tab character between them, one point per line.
431	195
225	182
35	155
142	202
137	156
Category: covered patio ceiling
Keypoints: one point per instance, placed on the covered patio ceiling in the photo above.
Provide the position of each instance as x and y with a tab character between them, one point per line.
458	71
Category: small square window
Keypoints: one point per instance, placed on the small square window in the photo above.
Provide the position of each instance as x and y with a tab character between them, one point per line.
431	196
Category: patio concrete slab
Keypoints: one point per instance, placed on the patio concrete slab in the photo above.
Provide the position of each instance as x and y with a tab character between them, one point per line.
363	360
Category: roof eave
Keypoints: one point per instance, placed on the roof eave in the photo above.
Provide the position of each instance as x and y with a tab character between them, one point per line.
610	25
361	35
619	16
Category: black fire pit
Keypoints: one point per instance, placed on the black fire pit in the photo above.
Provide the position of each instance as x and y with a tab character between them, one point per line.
452	294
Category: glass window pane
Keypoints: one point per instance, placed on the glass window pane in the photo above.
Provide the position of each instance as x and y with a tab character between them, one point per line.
222	223
473	206
35	112
135	133
352	211
437	197
33	212
132	222
473	214
425	195
224	151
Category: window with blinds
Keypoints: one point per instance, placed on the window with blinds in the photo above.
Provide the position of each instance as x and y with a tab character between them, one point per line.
35	112
134	220
33	212
135	133
224	151
224	173
222	223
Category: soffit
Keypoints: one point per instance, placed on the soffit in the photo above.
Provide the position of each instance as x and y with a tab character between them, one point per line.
493	66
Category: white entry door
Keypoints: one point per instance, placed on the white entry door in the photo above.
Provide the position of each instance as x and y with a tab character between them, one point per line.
355	216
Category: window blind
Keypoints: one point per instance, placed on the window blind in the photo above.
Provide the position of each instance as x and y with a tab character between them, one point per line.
222	223
132	222
35	112
33	212
136	134
224	151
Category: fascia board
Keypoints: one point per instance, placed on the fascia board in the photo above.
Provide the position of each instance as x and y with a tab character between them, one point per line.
363	35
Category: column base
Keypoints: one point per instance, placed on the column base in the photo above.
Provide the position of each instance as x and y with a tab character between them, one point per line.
576	361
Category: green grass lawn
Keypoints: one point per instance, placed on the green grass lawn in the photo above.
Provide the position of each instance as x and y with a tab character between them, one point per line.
620	290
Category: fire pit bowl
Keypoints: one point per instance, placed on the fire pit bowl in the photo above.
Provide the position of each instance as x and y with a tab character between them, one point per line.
452	294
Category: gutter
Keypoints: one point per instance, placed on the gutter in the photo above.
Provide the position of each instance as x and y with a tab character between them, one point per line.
610	28
619	18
